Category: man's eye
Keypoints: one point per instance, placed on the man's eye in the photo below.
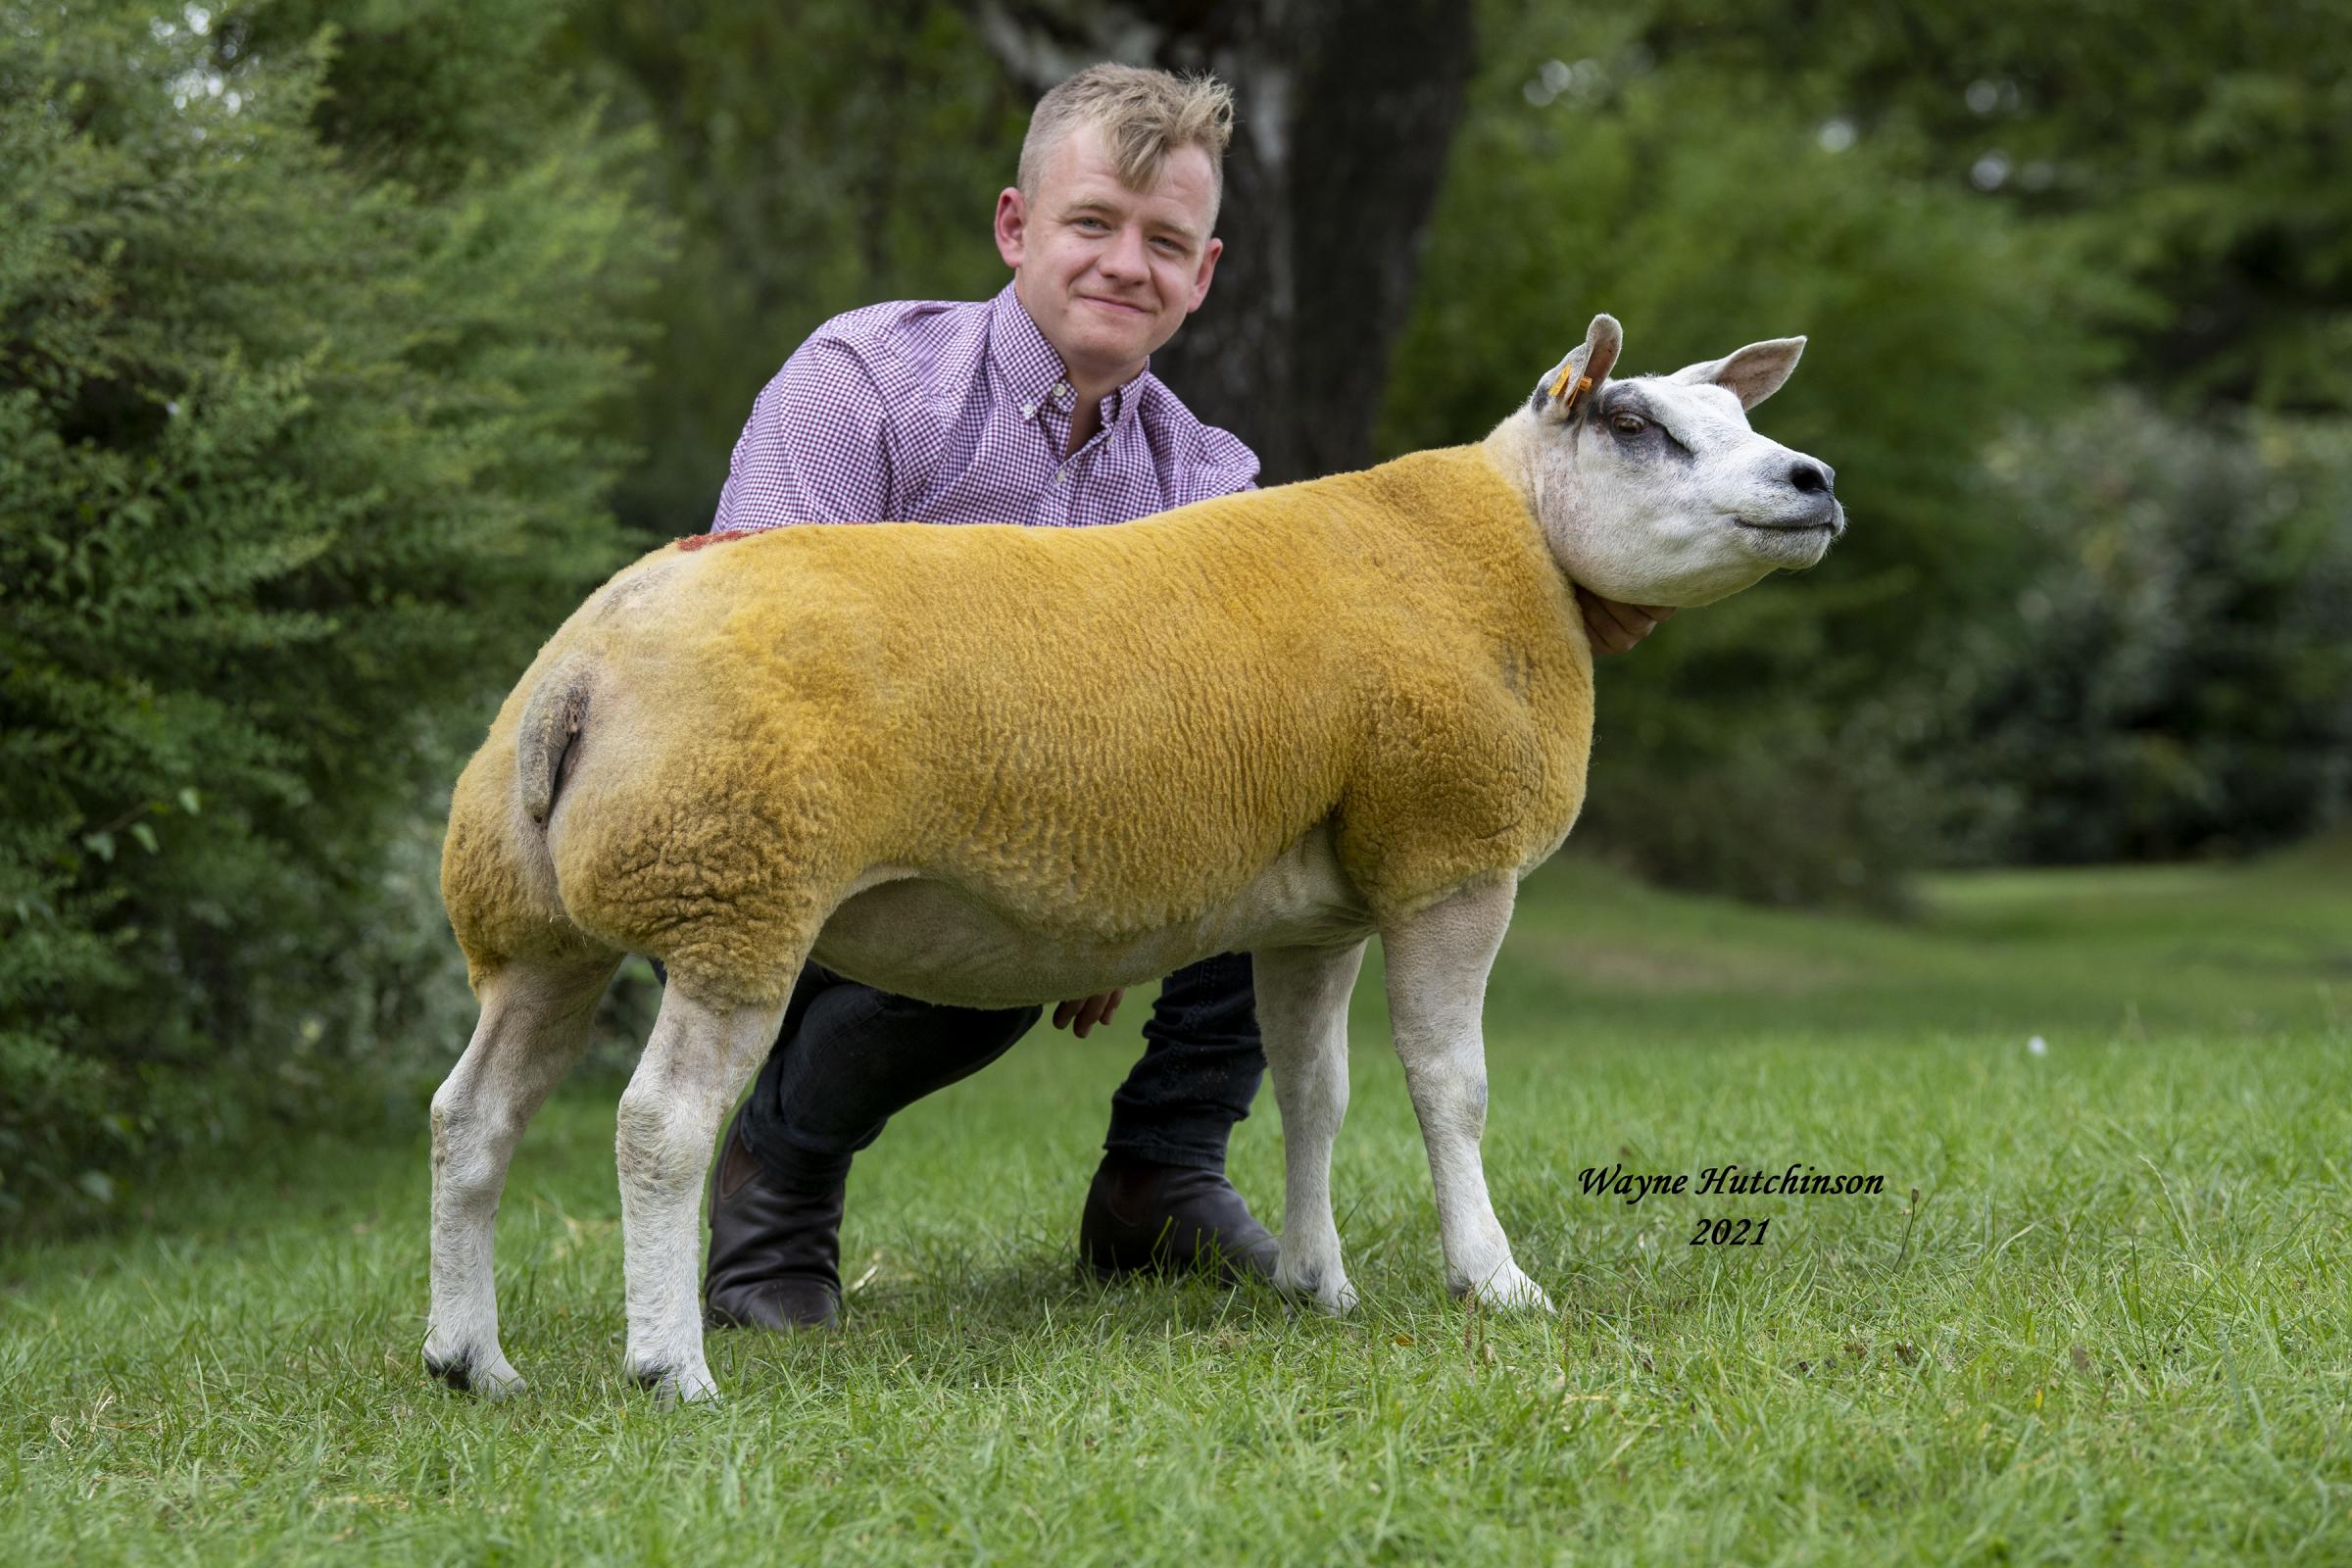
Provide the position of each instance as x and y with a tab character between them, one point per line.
1628	423
1092	223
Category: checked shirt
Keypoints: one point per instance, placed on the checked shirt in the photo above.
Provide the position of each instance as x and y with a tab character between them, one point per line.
936	412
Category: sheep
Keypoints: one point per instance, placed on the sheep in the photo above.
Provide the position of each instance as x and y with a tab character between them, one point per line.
1289	720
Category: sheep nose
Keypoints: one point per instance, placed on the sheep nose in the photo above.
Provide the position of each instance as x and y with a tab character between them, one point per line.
1813	477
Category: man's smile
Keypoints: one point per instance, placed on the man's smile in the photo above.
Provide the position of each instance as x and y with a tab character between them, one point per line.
1121	307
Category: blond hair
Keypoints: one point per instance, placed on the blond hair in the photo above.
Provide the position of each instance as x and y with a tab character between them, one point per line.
1144	115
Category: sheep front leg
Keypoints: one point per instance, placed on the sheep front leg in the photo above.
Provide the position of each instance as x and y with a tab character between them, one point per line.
1302	1017
534	1025
693	1068
1438	961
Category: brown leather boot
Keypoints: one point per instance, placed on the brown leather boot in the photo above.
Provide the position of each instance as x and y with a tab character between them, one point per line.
1143	1217
775	1255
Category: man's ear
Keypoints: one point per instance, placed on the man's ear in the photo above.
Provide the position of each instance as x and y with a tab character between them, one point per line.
1751	374
1013	226
1568	385
1209	270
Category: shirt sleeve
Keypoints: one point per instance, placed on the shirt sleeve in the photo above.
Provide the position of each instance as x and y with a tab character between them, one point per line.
1222	466
817	448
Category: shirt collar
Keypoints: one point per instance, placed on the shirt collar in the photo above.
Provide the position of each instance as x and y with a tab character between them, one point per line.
1032	368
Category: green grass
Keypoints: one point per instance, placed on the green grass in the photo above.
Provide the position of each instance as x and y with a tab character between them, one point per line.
2112	1327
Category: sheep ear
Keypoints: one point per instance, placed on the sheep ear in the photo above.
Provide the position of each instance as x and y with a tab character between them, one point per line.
1570	384
1751	374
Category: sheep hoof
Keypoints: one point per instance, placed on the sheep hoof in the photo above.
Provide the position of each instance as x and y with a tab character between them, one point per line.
493	1378
1511	1290
676	1385
1327	1288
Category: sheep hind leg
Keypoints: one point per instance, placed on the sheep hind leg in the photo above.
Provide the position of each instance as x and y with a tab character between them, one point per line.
1302	1019
535	1018
695	1065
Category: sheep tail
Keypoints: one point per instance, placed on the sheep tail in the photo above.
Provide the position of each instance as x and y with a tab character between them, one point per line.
547	746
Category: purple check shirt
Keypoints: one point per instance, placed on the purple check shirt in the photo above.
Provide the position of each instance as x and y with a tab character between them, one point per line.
932	411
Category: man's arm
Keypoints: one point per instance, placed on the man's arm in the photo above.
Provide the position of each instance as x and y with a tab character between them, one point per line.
817	448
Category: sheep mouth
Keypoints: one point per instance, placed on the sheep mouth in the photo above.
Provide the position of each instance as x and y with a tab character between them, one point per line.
1786	528
1823	524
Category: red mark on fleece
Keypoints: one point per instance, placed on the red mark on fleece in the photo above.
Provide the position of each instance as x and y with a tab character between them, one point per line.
698	540
695	541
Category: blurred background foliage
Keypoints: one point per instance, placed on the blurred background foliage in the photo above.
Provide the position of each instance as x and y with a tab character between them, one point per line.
343	345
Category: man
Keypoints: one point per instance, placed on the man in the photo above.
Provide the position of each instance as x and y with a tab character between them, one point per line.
1034	408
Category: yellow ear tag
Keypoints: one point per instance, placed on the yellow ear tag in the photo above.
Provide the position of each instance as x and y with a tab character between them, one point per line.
1583	384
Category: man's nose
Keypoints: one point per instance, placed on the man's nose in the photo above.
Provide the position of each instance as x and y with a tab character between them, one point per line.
1125	257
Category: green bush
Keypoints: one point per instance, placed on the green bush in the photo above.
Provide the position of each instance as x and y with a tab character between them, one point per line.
2176	677
297	464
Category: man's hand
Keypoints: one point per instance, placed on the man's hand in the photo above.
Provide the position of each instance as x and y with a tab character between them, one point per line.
1088	1012
1614	627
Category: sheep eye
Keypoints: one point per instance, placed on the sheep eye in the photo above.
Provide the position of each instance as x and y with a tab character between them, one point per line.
1629	423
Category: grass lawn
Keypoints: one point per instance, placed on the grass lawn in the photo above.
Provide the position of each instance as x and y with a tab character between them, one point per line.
2114	1325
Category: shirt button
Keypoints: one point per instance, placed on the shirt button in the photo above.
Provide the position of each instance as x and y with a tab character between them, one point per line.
1061	389
1028	410
1061	475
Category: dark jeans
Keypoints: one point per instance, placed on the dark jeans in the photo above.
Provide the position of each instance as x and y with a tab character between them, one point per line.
848	1057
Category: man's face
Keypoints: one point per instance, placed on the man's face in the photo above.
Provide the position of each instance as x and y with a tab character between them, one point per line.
1109	273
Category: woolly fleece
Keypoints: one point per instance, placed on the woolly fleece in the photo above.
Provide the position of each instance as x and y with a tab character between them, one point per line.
1102	733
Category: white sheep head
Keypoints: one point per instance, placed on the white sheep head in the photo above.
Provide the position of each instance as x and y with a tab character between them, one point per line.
1653	490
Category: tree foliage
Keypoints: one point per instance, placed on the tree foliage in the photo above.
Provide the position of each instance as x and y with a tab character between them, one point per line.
297	456
2200	151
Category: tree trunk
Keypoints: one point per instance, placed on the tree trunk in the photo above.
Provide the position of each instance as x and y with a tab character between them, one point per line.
1345	110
